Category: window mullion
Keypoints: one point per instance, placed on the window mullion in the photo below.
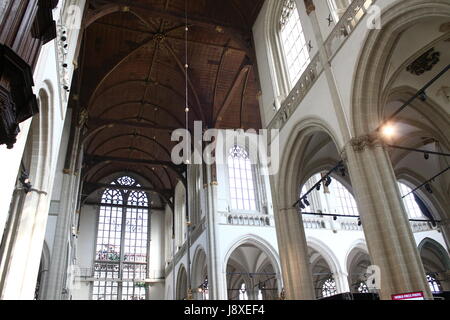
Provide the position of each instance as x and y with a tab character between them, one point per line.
122	248
149	239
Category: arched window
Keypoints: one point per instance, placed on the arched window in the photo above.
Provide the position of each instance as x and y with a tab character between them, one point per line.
329	288
410	203
344	201
341	201
243	292
121	257
293	40
242	180
434	284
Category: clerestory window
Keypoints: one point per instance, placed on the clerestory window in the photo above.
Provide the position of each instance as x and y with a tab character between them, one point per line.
293	40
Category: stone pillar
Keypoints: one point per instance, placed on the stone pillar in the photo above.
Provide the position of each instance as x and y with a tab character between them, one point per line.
386	227
20	275
216	280
293	250
7	240
444	227
341	279
59	263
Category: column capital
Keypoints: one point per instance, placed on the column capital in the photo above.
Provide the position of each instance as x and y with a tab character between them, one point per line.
310	7
371	140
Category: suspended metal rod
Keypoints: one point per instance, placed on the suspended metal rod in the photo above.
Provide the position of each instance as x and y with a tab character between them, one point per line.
324	178
426	182
354	217
419	150
420	93
253	274
329	215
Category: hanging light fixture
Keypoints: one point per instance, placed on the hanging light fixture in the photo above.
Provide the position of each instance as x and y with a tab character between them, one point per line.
301	205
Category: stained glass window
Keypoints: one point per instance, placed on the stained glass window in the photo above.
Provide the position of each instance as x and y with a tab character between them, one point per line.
120	266
242	186
329	288
294	42
362	287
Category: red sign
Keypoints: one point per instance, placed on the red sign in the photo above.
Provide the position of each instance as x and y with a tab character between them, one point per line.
409	296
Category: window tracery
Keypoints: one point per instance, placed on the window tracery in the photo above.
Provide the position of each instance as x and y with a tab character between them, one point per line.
241	180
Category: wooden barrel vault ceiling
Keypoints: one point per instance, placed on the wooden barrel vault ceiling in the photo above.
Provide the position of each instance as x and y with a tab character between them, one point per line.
131	81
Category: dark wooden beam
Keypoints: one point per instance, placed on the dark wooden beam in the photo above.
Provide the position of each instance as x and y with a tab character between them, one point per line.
241	36
98	122
201	21
240	77
157	163
167	36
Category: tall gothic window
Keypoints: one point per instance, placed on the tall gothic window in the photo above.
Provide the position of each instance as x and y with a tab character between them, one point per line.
294	43
410	203
344	201
120	266
241	178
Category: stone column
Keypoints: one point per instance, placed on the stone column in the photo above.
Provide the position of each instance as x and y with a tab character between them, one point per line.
293	250
59	263
444	227
386	227
217	284
7	240
341	279
23	267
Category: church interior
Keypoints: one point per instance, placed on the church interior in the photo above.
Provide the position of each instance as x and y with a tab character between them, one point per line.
224	150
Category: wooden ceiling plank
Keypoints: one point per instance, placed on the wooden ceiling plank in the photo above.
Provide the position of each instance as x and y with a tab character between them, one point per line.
98	122
244	89
158	163
116	65
229	97
159	107
183	70
216	82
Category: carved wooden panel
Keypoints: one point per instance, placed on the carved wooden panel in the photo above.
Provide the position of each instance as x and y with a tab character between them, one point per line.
25	25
